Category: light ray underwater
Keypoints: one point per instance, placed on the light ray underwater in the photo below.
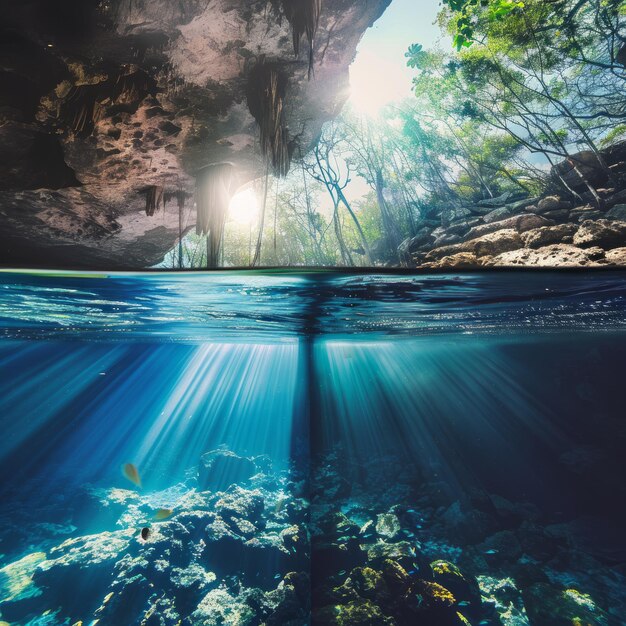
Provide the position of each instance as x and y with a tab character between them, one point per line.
384	449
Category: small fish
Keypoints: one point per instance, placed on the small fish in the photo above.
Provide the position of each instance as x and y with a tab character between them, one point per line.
162	514
491	552
277	577
145	533
342	572
130	472
412	572
463	603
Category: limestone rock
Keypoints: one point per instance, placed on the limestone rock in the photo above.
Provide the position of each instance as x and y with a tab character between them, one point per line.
556	255
603	233
548	235
616	256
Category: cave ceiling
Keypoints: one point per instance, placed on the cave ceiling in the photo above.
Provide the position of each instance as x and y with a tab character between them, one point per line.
105	106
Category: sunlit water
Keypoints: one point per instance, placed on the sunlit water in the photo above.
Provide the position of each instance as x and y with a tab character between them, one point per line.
475	418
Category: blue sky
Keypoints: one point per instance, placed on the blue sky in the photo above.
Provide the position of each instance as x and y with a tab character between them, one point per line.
379	74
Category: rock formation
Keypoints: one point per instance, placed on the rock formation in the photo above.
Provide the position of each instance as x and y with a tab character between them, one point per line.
548	231
102	104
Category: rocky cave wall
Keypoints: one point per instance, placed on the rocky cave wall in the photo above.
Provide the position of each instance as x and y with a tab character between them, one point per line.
104	102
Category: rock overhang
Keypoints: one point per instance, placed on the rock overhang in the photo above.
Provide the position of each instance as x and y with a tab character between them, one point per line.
103	101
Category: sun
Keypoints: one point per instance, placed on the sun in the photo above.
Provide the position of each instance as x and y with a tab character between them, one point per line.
244	207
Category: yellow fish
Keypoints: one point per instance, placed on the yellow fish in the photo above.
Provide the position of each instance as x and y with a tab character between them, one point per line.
162	514
130	472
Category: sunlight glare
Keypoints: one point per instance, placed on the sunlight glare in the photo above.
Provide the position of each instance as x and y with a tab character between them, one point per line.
375	83
244	207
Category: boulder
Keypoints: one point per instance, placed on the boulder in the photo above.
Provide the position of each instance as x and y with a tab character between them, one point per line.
556	255
497	215
355	613
496	243
506	599
461	260
616	256
464	588
387	525
520	205
548	605
422	238
520	223
558	215
605	234
580	214
548	235
618	212
447	240
486	245
239	503
552	203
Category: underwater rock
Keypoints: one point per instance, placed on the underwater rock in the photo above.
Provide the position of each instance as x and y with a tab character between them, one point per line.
219	469
335	545
547	605
505	598
239	503
17	590
220	608
402	552
463	588
387	525
79	568
502	546
356	613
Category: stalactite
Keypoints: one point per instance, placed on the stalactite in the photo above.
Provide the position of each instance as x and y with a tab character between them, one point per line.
214	190
82	109
154	200
304	17
267	89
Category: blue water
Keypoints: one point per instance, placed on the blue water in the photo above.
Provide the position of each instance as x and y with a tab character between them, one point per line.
475	418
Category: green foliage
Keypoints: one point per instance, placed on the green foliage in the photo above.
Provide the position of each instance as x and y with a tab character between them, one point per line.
467	13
